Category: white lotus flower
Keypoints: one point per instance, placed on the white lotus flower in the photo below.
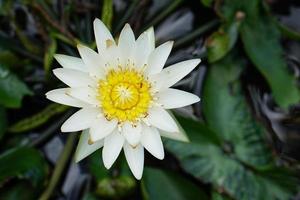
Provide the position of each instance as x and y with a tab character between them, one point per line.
123	92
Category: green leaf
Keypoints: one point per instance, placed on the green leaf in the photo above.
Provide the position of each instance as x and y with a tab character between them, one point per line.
23	162
207	3
12	89
38	119
222	41
227	113
89	196
116	187
96	166
217	196
261	40
108	186
164	185
3	121
238	161
207	161
262	45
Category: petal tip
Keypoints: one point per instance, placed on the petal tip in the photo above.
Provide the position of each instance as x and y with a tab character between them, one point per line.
63	129
48	93
106	165
97	20
150	29
161	157
56	70
127	25
97	23
138	176
57	56
197	60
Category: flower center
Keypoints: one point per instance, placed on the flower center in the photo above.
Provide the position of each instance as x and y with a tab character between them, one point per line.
125	95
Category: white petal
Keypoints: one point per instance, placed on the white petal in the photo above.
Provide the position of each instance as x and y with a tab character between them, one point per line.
70	62
161	119
113	144
80	120
101	128
176	72
157	82
127	44
173	98
92	60
143	50
102	34
132	133
74	78
151	37
152	142
179	135
85	94
158	58
112	57
135	159
61	96
84	148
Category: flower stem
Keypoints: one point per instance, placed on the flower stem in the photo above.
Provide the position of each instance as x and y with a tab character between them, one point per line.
60	167
107	13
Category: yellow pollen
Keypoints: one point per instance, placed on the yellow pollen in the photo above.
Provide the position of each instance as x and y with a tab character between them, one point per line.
124	94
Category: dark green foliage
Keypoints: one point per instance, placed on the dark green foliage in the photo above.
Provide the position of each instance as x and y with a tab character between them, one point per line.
3	122
209	162
171	186
21	191
12	89
227	113
23	162
222	41
261	39
38	119
240	162
109	186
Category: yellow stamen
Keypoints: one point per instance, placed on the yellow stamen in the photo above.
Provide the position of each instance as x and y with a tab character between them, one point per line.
124	95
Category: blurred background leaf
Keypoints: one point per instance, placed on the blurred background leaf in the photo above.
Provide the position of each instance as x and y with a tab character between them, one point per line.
261	39
206	160
171	186
23	163
38	119
22	190
12	89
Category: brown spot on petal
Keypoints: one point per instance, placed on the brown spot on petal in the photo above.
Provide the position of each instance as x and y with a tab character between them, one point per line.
90	142
109	43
